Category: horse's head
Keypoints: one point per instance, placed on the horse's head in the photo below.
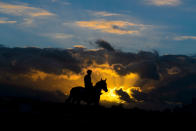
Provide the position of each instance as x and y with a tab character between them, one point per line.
103	85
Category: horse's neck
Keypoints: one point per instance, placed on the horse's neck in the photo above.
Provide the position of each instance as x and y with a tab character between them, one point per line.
97	88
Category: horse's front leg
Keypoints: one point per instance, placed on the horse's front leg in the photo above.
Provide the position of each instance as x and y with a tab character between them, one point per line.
88	100
97	100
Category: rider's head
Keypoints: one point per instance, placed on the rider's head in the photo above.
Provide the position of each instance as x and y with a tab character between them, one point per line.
89	72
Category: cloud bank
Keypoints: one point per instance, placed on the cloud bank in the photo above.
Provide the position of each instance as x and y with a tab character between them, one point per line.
165	81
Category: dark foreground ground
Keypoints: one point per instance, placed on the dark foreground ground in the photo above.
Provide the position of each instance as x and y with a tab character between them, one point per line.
23	112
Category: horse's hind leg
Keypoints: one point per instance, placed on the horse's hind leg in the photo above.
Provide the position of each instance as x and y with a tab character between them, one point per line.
74	100
69	100
77	100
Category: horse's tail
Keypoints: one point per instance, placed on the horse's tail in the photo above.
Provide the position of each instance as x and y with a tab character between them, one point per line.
69	99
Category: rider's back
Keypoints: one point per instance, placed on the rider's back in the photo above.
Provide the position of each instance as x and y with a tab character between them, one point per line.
87	81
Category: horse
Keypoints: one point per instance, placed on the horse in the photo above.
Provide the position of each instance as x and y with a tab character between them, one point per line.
90	96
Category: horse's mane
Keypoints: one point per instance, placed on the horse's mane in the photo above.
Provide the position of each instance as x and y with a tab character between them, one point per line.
98	83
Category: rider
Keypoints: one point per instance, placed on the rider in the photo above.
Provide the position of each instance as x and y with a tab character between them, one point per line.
87	80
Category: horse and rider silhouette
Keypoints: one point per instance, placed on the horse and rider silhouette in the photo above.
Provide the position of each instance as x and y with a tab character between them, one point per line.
89	94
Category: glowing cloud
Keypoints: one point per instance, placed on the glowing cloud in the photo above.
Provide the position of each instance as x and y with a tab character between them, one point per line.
164	2
58	36
103	13
79	46
21	10
185	38
5	21
113	27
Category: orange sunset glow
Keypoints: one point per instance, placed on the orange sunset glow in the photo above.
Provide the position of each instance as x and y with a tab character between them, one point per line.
104	71
115	82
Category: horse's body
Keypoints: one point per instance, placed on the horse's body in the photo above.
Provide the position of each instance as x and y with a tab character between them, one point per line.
90	96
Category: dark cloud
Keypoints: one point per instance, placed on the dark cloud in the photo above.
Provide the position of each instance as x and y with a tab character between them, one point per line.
22	60
146	69
180	89
124	96
105	45
170	92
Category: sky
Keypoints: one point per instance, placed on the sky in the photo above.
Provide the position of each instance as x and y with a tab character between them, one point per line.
167	26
